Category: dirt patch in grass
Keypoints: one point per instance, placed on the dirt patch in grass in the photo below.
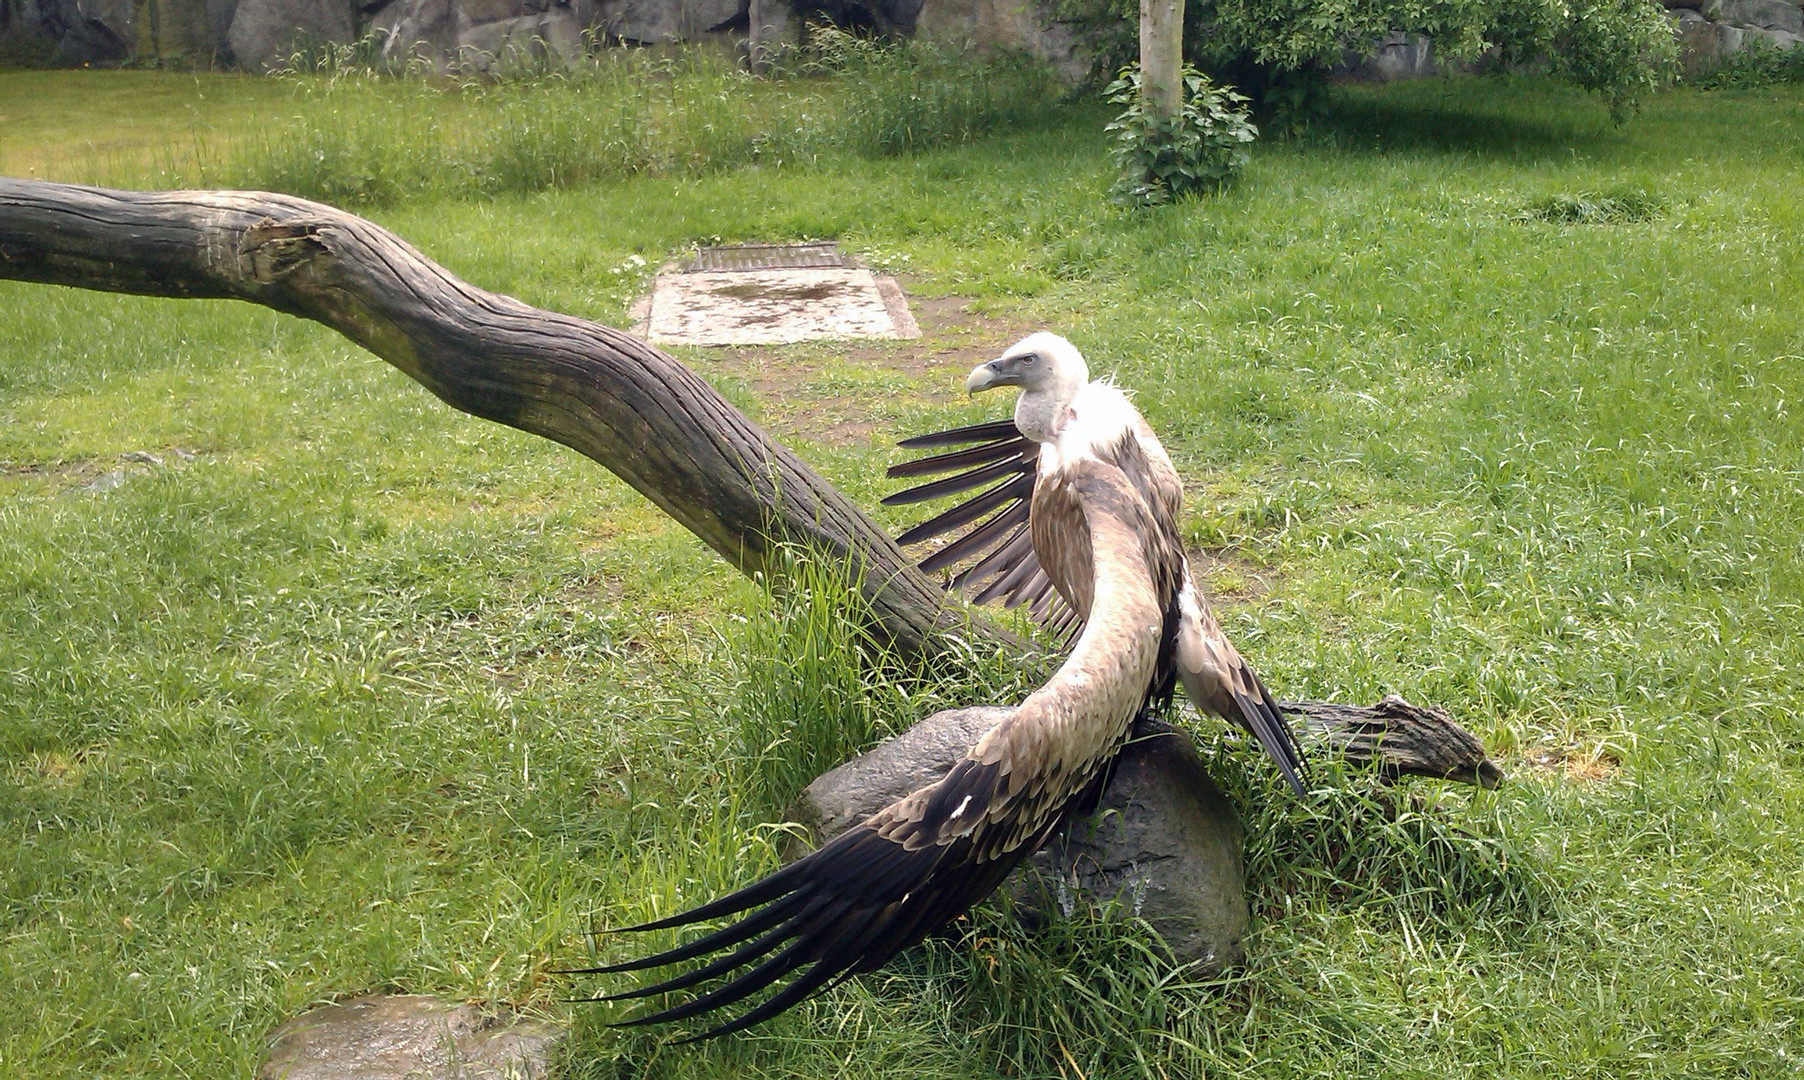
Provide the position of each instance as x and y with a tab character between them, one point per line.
1228	577
94	475
787	379
1578	764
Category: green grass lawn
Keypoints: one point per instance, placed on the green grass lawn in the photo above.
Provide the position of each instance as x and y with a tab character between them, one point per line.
354	694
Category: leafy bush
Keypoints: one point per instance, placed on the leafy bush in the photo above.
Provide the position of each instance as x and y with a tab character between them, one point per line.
1277	49
1201	147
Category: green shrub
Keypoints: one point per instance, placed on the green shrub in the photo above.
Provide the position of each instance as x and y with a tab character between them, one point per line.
1200	148
1278	49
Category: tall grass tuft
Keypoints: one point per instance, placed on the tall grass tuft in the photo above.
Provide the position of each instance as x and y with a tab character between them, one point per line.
1401	849
362	134
1626	206
814	690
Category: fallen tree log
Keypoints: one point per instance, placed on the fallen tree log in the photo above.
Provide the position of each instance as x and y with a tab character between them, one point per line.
646	418
636	411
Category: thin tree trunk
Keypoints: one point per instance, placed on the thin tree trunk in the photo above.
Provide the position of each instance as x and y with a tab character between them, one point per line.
1162	56
648	419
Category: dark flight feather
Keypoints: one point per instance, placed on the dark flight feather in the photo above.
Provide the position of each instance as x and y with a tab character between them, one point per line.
998	555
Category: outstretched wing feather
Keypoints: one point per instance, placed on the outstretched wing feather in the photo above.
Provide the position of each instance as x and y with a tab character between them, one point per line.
1001	555
987	431
952	485
1016	490
978	540
1015	447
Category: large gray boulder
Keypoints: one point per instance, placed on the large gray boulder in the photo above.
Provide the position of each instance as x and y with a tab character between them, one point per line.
553	34
266	32
1025	25
1781	15
1778	39
1392	57
482	35
842	798
91	31
1163	844
409	1037
417	29
651	22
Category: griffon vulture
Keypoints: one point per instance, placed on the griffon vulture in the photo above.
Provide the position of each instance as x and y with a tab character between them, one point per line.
915	865
1024	553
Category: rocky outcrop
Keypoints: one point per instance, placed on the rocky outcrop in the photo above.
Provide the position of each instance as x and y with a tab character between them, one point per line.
260	35
1003	24
76	31
265	33
1712	31
649	22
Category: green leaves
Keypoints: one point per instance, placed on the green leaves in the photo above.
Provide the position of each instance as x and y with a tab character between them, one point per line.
1202	147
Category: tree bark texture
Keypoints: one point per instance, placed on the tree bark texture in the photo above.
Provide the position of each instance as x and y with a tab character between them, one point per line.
642	415
1400	738
1162	56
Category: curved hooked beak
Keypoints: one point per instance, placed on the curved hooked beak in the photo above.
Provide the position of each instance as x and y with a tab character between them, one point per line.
985	376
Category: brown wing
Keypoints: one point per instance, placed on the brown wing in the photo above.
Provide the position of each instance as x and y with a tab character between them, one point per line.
995	548
1218	680
916	864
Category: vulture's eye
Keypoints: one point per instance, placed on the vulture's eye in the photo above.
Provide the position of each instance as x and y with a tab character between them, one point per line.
1028	360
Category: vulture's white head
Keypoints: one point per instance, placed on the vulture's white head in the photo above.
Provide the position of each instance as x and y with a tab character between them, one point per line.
1048	369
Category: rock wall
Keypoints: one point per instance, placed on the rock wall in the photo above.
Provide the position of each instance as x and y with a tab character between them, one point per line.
1711	31
260	35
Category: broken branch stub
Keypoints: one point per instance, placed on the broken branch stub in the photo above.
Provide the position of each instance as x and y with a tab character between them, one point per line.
1400	738
607	395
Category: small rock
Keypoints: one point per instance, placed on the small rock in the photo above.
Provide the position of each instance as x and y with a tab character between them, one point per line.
144	457
104	482
409	1037
1163	841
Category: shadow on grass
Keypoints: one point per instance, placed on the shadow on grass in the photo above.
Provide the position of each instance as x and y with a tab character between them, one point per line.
1491	117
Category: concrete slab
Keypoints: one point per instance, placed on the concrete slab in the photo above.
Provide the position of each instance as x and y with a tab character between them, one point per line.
410	1037
775	306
